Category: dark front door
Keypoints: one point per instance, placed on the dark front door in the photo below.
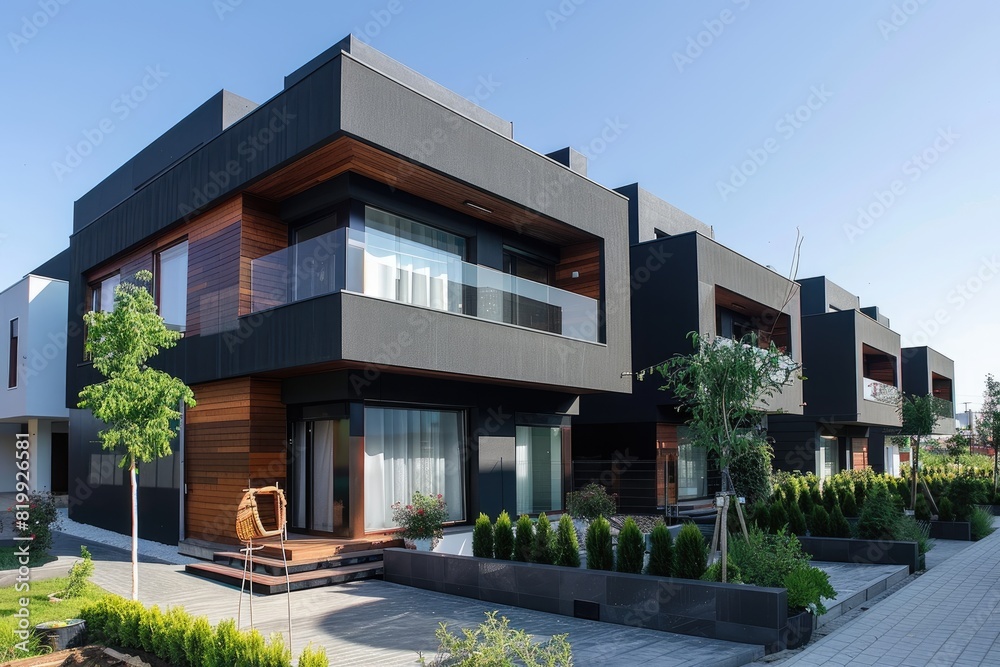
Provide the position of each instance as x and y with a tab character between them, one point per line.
60	463
319	482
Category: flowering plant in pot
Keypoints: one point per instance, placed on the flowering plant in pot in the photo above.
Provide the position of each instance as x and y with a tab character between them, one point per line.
423	518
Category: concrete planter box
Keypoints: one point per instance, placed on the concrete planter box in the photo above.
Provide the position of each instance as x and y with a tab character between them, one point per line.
733	612
951	530
993	508
873	552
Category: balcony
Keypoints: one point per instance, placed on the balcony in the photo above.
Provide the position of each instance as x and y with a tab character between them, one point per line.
880	392
386	267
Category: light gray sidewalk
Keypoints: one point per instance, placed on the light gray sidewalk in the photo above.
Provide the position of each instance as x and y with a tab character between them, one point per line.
948	616
377	623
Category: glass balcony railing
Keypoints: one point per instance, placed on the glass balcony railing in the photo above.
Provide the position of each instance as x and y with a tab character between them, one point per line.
880	392
392	268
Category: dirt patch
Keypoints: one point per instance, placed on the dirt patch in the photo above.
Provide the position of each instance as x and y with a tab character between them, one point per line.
91	656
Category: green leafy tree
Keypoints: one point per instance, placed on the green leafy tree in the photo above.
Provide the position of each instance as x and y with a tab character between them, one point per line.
631	548
524	539
989	423
543	551
725	387
919	415
567	545
661	552
138	404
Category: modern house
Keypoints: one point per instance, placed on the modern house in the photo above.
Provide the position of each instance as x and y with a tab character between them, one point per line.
682	281
33	349
852	361
380	292
928	372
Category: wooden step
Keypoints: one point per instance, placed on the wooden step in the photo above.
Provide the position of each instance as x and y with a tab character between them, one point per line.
275	566
268	584
318	548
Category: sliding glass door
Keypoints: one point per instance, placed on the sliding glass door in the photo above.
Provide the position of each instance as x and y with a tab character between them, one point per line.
319	477
409	450
538	468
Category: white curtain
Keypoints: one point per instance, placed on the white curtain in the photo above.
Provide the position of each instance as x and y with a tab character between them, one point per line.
324	433
692	468
538	469
410	450
299	461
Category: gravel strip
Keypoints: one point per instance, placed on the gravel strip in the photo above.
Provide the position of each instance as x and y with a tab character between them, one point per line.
164	552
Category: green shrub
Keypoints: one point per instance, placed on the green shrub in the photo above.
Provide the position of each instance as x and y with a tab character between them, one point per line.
543	550
860	493
751	472
849	504
807	586
819	521
178	622
714	572
80	574
796	520
981	522
631	548
922	509
503	537
661	552
598	544
591	502
838	524
965	492
829	498
313	657
199	644
41	519
765	560
524	539
879	515
758	516
946	512
494	642
482	537
567	551
778	517
691	553
909	529
806	503
228	643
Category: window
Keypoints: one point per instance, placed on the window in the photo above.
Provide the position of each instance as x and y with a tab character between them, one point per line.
692	467
171	285
12	367
538	469
826	456
102	293
409	450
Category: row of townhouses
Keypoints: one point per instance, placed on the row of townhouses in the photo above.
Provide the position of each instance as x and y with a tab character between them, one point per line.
381	291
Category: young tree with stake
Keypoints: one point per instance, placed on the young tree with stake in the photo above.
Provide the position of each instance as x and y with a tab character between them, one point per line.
138	404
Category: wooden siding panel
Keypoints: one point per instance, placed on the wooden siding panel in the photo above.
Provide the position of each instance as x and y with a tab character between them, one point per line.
235	435
263	233
584	258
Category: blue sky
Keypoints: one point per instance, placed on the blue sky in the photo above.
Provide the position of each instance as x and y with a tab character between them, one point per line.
758	118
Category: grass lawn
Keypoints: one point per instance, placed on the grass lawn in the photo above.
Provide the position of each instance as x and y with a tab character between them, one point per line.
8	561
40	610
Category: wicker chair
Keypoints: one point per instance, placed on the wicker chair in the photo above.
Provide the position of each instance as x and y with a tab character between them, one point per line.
257	519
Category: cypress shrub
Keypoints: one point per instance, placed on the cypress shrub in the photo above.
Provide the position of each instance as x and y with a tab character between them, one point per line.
482	537
829	498
778	517
599	550
838	524
879	515
543	550
567	546
631	548
661	554
796	520
860	492
758	515
524	539
922	511
806	503
819	522
503	537
849	504
313	657
946	511
691	553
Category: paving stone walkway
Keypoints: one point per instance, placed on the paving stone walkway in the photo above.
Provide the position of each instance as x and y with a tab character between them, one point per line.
948	616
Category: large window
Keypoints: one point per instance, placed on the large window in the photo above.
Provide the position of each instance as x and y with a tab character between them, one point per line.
410	262
12	361
827	456
102	293
538	469
409	450
692	467
171	285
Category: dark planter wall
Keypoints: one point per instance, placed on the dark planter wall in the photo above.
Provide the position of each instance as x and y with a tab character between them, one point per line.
951	530
872	552
732	612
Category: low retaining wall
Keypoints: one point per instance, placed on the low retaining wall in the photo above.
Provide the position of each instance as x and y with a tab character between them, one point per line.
872	552
951	530
748	614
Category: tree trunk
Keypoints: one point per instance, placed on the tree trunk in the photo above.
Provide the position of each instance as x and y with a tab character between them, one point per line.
996	469
915	447
135	529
